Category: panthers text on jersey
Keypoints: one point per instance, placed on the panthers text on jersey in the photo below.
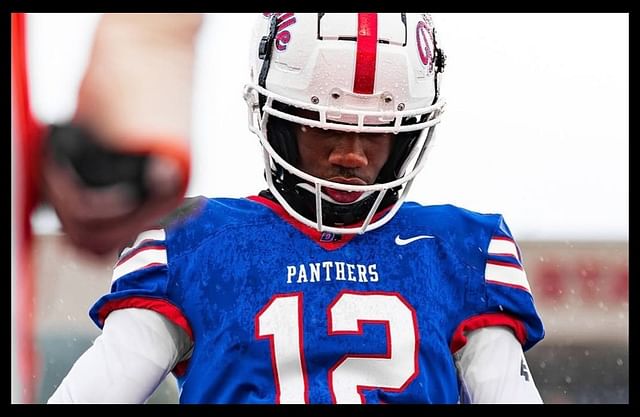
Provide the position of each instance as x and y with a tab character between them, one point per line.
281	313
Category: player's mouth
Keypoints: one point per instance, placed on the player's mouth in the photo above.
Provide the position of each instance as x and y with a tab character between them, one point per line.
344	197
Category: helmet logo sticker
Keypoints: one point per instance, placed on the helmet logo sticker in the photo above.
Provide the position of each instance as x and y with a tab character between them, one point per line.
424	41
282	36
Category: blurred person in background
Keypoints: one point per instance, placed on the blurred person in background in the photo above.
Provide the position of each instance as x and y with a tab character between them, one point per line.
326	287
120	164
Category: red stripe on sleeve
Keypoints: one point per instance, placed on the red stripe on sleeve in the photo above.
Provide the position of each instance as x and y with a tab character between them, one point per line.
367	44
459	338
163	307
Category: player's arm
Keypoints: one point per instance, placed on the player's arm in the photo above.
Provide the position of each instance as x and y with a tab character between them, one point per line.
127	362
123	162
492	368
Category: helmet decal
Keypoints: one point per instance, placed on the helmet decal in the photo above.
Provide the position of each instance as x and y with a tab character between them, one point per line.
282	36
424	42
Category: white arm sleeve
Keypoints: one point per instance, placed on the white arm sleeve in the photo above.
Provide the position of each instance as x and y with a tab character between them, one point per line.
127	362
492	368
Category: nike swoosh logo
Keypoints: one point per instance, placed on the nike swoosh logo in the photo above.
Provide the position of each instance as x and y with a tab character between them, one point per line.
402	242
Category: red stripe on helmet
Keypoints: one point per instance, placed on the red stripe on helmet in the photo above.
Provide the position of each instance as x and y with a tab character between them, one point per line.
367	44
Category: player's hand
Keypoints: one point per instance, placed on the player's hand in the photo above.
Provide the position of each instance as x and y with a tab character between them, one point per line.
123	163
104	198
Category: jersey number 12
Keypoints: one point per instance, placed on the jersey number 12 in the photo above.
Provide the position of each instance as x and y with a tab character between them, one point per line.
281	322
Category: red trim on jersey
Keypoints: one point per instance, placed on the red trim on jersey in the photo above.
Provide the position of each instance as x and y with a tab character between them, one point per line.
504	284
180	368
314	234
459	338
163	307
506	264
508	239
367	44
498	237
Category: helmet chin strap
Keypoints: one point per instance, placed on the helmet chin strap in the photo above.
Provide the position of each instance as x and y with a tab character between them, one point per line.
265	49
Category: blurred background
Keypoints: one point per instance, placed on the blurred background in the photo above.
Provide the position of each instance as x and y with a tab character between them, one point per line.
536	128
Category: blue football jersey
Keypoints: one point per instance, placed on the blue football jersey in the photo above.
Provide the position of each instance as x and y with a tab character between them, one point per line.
281	313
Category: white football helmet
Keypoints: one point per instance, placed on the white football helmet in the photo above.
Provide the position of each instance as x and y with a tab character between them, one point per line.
362	72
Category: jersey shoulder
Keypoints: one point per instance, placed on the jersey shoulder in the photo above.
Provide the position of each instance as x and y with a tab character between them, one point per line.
467	233
202	218
497	289
200	209
450	217
142	271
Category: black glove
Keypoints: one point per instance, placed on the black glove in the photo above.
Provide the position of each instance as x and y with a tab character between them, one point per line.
96	166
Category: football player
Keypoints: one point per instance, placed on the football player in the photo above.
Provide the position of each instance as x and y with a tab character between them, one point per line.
329	286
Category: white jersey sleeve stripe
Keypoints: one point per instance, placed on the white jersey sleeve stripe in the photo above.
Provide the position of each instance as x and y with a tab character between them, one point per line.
145	257
506	275
154	234
504	247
